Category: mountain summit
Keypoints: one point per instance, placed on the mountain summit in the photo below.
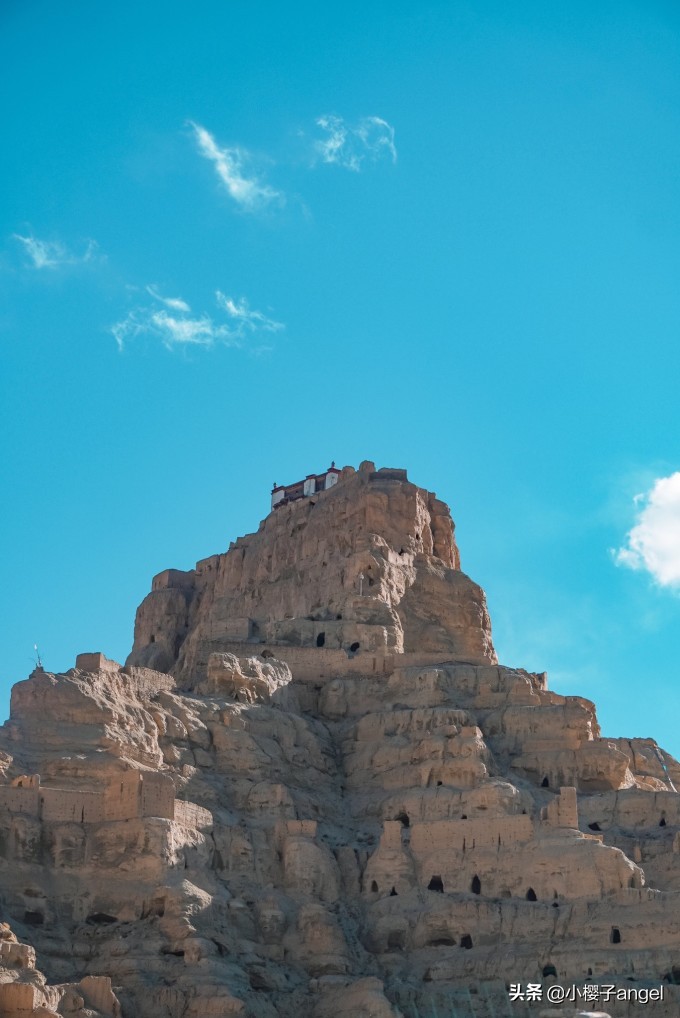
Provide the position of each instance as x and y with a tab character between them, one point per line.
369	565
312	792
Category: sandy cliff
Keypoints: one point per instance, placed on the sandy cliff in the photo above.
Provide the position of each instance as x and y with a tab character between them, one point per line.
313	791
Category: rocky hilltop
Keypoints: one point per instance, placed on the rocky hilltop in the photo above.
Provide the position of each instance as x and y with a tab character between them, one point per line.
369	566
312	792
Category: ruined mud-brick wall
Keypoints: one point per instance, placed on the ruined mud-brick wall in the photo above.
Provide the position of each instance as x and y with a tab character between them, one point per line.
132	795
466	835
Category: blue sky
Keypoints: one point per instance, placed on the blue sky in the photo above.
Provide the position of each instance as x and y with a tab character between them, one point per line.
240	240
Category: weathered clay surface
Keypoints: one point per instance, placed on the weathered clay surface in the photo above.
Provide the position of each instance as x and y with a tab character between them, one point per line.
310	795
297	582
24	990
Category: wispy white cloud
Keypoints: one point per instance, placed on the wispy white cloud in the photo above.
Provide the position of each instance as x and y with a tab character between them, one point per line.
50	254
174	303
248	191
246	319
173	330
653	544
178	327
371	138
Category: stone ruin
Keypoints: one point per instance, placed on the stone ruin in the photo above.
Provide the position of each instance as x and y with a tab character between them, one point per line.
312	792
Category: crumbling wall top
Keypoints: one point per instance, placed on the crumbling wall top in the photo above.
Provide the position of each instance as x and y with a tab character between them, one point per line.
96	662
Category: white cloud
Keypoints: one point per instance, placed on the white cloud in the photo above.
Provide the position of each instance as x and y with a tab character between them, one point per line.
333	148
371	138
175	303
247	319
198	331
173	330
50	254
248	192
653	544
178	327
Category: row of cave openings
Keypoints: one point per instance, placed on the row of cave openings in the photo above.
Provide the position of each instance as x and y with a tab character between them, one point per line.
353	647
437	884
153	909
596	827
34	918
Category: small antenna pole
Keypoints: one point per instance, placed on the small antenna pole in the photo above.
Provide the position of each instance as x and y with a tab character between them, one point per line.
37	655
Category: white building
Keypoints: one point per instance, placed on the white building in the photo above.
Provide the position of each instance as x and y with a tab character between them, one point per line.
284	493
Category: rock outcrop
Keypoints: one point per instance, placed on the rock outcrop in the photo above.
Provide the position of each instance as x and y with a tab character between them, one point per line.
371	564
312	791
24	990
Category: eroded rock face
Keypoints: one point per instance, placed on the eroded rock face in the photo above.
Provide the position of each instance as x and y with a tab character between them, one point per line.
371	564
249	680
288	826
24	990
